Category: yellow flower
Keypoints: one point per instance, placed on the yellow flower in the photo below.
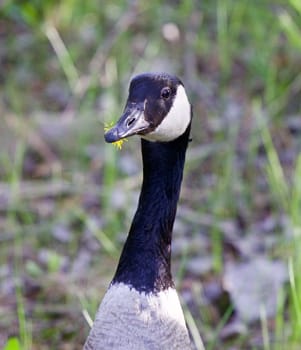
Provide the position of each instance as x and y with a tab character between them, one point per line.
118	144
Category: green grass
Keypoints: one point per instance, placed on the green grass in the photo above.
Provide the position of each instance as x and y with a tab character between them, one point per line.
295	261
15	180
287	196
72	61
13	344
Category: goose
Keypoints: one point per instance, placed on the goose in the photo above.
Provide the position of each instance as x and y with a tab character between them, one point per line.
141	308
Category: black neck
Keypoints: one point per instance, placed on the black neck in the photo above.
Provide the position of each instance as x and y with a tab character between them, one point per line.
145	260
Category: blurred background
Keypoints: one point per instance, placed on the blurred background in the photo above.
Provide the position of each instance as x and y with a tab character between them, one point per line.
67	199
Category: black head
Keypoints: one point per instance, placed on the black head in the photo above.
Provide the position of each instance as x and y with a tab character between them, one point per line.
157	108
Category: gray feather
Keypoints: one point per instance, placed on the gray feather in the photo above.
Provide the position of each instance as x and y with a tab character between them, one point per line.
127	319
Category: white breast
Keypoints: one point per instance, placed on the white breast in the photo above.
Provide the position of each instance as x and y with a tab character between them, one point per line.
127	319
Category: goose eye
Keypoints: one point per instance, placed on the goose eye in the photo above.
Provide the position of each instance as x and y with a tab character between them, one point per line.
165	93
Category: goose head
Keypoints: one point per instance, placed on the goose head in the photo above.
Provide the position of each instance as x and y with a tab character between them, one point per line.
157	109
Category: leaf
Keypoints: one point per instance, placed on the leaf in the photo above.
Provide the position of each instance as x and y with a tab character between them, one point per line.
12	344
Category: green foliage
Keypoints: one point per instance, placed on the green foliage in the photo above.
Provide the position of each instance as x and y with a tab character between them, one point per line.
274	171
288	198
295	259
32	12
12	344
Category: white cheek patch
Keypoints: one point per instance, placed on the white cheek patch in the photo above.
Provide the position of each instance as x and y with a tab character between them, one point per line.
175	122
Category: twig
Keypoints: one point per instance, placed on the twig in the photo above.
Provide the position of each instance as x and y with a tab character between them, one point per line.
100	57
63	55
